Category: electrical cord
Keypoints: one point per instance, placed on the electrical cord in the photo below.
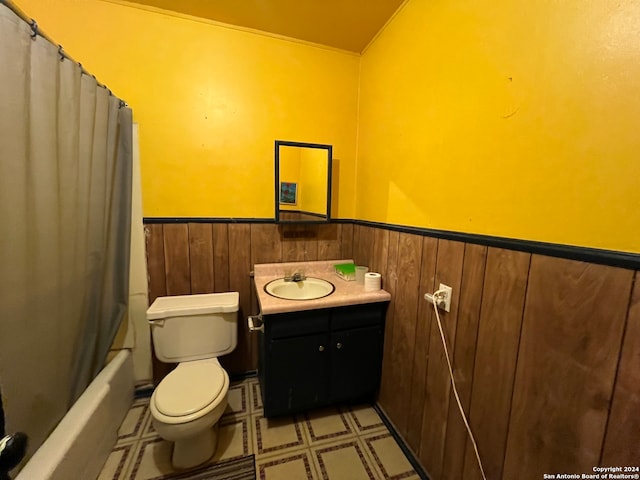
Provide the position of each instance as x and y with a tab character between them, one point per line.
436	296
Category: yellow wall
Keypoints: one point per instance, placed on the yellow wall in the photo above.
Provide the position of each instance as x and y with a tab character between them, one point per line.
313	178
307	168
516	119
512	118
289	170
210	102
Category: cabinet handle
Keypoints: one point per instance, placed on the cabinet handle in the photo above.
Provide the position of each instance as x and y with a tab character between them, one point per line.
338	345
321	348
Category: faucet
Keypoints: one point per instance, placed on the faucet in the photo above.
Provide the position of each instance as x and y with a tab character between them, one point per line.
295	277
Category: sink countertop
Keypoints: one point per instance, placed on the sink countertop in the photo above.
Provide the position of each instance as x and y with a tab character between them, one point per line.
346	293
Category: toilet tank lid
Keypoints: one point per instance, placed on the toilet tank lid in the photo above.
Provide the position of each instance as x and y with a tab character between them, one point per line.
182	305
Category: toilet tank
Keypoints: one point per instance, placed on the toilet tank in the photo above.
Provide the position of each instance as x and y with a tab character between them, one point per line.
194	327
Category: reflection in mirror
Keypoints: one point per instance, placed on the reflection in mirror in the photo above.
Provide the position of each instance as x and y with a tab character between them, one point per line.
303	182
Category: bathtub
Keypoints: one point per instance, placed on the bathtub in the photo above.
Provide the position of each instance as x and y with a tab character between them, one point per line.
82	441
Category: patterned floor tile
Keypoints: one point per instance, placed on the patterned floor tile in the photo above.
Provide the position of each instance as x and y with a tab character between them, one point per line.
343	461
256	397
365	419
238	400
293	466
335	443
147	428
132	426
276	435
234	438
151	460
117	462
327	424
388	457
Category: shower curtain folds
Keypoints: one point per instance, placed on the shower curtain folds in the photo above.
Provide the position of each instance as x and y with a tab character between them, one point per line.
65	203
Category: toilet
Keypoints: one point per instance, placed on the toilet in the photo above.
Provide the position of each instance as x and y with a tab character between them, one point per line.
193	331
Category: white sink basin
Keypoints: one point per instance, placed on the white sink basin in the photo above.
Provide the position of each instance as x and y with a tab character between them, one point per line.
308	289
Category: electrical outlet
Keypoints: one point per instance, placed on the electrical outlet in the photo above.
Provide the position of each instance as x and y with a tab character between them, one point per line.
448	293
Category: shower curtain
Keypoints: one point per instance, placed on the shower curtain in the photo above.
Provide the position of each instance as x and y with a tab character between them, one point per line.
65	196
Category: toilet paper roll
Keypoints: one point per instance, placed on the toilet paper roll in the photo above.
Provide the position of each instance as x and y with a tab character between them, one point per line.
372	281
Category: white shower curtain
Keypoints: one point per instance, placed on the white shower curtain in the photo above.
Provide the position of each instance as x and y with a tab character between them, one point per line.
65	196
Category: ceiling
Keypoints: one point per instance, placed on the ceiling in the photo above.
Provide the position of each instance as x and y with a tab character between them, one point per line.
343	24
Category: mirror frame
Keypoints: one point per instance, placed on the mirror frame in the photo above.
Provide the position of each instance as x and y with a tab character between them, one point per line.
286	143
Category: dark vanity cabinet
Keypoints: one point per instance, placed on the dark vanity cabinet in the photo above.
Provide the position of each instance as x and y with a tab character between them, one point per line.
312	358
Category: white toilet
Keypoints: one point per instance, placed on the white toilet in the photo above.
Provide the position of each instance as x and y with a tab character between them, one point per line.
192	330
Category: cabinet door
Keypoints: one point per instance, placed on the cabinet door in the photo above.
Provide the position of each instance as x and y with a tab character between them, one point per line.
296	375
356	363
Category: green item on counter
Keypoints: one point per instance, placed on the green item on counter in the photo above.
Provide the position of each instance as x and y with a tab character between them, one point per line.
346	271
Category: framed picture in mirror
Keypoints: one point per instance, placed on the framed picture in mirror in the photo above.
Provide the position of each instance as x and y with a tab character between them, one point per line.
288	193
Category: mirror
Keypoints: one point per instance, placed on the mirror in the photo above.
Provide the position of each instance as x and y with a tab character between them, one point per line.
303	182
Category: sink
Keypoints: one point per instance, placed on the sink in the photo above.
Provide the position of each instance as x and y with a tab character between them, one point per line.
307	289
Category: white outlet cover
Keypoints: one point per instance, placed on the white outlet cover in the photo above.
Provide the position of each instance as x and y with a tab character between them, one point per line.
448	294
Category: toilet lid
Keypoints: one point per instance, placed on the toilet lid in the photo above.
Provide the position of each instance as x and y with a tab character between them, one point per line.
189	388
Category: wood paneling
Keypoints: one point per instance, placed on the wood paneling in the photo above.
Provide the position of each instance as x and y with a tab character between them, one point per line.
218	257
265	244
505	283
329	240
201	258
176	259
575	313
379	249
346	247
363	237
266	247
621	443
438	384
221	257
421	350
550	384
405	313
243	358
156	273
293	242
475	257
388	382
311	245
154	235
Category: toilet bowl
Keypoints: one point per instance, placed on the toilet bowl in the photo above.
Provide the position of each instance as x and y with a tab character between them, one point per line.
185	409
193	330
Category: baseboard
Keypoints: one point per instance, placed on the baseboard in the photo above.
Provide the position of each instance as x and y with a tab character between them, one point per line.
401	443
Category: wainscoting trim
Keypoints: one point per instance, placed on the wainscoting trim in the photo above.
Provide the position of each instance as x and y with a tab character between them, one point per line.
159	220
584	254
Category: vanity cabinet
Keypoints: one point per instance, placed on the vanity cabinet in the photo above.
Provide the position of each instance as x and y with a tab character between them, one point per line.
313	358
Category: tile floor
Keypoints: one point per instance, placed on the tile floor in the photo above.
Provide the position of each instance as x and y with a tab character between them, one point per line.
338	443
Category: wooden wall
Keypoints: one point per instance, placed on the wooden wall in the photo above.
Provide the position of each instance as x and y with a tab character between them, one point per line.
186	258
545	351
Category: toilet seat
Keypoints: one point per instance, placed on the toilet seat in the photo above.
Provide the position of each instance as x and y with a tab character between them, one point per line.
190	388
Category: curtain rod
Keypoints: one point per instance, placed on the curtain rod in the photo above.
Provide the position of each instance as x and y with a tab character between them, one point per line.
63	55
